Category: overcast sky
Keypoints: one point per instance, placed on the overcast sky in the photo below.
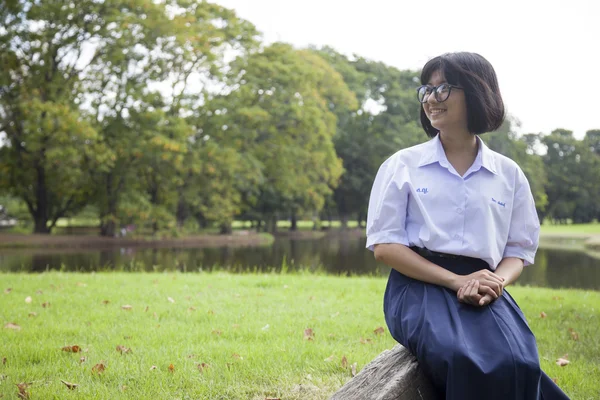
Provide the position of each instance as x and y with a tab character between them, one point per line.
546	53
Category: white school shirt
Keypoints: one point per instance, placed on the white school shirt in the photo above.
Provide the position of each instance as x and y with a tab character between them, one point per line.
418	199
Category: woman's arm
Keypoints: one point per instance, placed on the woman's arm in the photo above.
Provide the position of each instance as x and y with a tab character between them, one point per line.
409	263
510	268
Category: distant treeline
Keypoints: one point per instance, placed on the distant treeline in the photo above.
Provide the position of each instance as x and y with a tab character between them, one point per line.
175	115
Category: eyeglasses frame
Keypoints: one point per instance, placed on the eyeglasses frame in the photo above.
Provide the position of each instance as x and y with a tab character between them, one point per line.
435	92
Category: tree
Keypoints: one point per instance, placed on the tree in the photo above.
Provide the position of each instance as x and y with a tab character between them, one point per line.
50	146
386	122
573	177
280	115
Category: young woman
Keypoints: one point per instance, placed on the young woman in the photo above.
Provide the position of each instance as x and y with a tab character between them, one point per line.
457	223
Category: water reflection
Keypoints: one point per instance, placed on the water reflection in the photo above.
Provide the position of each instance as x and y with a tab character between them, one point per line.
339	255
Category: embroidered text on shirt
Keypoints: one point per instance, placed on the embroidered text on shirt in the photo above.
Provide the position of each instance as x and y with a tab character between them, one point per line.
422	190
499	202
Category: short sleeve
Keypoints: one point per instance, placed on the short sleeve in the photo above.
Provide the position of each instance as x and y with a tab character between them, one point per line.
386	216
524	231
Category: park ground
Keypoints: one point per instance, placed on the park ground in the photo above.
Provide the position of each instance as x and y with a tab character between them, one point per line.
235	336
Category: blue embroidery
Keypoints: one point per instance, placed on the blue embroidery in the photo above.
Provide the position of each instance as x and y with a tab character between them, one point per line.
422	190
499	202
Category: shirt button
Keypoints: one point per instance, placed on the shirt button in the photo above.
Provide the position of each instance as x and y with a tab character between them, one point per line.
459	210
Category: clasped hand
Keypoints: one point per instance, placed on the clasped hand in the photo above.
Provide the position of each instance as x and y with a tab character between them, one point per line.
480	288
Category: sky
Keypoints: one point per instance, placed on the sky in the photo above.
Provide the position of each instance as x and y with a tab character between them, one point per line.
546	53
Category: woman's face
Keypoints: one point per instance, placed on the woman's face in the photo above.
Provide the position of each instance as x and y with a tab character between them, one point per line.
447	115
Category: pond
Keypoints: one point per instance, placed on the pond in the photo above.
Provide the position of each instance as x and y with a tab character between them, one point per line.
337	255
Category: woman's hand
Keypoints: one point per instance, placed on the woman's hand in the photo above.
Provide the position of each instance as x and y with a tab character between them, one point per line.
471	293
489	283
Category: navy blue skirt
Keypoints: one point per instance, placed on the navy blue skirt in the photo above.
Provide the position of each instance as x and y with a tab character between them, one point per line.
468	352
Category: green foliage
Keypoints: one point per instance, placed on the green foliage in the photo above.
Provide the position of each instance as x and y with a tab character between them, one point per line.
158	113
364	139
573	170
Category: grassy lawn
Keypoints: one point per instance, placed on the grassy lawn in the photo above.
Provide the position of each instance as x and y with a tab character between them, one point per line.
589	229
247	333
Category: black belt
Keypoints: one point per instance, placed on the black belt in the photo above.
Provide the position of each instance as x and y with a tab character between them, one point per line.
424	252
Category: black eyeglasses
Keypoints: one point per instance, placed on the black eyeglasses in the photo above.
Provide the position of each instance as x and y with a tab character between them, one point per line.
441	92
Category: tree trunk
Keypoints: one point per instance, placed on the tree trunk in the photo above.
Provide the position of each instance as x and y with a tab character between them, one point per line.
344	221
108	222
41	225
183	212
108	228
226	228
40	214
294	221
393	375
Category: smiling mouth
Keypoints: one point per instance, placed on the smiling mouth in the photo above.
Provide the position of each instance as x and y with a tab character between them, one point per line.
436	111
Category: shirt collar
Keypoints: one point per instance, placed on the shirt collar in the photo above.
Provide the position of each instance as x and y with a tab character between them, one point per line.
434	152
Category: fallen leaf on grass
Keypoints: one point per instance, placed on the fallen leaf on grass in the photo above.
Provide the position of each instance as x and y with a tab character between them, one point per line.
202	367
170	300
46	305
543	315
192	309
70	385
555	380
574	335
561	362
81	284
237	356
330	358
211	312
22	388
272	398
12	325
353	369
7	290
82	360
146	309
124	388
171	368
32	314
216	332
152	367
123	349
379	331
3	360
98	368
28	299
344	362
309	334
126	307
39	291
365	341
105	301
71	349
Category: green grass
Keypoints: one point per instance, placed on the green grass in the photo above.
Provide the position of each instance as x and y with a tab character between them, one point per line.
592	229
260	317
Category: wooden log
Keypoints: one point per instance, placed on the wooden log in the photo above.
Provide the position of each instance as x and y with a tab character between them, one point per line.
393	375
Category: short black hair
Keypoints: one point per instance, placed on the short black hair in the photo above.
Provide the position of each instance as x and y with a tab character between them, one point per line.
475	74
